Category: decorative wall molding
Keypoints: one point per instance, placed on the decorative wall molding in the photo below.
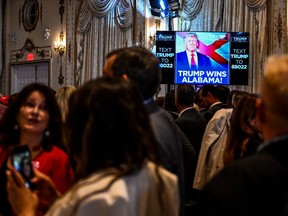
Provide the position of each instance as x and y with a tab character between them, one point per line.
40	53
278	27
70	41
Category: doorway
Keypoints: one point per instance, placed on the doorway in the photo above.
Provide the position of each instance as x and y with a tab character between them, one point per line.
26	73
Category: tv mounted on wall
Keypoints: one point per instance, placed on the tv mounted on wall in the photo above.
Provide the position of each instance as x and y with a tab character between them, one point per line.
222	57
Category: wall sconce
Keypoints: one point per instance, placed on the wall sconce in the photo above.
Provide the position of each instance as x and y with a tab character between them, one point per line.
59	46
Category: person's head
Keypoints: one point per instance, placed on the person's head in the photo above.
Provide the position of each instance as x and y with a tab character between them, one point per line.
184	96
109	61
62	96
223	92
272	110
141	66
191	41
234	98
108	126
33	111
208	95
169	104
243	127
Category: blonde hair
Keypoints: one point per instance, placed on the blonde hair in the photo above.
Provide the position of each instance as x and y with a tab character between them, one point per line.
62	96
274	85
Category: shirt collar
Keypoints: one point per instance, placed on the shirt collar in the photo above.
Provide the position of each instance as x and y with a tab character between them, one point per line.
215	104
271	141
188	108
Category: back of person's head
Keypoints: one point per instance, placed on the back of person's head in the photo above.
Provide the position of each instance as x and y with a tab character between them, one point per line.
223	92
234	98
140	66
62	96
9	135
108	126
205	89
244	112
109	61
185	95
169	104
274	89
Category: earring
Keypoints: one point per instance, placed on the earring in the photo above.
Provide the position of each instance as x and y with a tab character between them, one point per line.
16	127
47	133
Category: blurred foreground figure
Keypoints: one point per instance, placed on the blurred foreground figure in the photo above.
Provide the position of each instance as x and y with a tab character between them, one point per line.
258	184
34	119
113	146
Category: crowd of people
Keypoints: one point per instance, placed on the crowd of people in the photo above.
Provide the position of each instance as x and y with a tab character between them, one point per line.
110	147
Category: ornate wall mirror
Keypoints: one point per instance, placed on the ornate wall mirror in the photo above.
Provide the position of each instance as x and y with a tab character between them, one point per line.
30	14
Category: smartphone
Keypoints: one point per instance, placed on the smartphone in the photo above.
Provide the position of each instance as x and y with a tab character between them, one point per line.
21	160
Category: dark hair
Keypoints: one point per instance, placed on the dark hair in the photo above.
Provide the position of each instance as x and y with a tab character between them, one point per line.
12	98
185	94
169	104
209	88
10	136
140	66
234	97
241	130
114	52
108	126
223	92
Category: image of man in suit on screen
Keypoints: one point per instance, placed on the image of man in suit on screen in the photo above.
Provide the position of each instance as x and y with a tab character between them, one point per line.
191	58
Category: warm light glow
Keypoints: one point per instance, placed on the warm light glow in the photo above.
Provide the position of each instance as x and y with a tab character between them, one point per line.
59	45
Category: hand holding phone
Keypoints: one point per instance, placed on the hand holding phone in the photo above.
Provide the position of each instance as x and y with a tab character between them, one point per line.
21	160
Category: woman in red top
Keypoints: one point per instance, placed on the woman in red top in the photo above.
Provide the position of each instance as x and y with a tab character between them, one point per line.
34	119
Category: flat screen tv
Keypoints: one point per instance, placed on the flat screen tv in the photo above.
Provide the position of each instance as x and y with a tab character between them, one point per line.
220	58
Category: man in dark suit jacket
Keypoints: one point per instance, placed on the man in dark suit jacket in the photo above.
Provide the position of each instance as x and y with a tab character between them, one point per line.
191	59
193	126
208	95
257	185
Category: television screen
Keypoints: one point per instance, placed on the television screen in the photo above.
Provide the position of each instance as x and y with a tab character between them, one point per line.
220	58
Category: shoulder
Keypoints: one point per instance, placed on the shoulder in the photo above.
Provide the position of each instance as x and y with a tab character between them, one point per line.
250	170
256	183
179	54
202	55
168	176
101	193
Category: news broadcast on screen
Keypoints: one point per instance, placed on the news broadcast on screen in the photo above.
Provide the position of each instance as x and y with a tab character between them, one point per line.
203	57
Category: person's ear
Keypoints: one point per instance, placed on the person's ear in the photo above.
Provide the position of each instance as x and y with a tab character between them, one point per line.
124	77
209	95
260	113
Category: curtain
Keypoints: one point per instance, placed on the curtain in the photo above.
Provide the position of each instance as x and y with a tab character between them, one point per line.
1	47
103	25
233	15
